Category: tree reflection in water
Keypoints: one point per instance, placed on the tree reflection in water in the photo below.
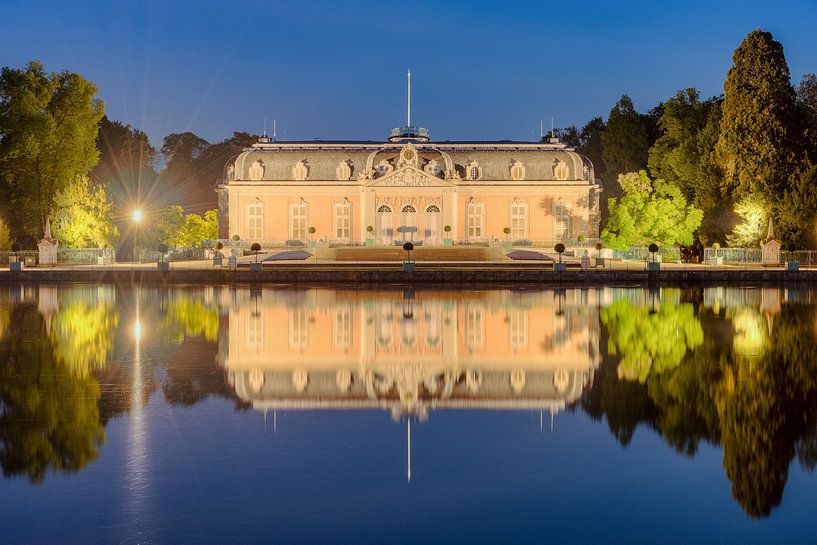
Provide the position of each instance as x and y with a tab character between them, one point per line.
50	418
752	392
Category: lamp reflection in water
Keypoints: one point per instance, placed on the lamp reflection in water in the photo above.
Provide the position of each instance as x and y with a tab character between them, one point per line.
410	353
137	471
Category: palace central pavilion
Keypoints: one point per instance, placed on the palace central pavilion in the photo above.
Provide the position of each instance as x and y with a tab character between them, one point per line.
409	188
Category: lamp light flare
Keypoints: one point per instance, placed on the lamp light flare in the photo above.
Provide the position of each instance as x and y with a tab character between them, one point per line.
137	215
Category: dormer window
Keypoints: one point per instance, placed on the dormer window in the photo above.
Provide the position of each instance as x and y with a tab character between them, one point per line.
256	171
299	171
343	171
560	170
517	171
473	171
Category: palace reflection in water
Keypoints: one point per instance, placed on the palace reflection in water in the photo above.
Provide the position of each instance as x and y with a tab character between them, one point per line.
410	352
735	368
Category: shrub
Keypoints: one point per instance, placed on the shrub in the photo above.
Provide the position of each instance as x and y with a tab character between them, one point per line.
522	242
294	242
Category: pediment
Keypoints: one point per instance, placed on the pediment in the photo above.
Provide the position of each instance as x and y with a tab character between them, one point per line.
408	176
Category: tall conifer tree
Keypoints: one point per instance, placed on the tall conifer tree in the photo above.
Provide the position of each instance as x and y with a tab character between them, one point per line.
760	136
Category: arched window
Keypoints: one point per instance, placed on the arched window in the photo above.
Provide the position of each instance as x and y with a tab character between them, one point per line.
408	225
385	229
432	224
343	220
473	171
298	219
255	220
519	219
474	219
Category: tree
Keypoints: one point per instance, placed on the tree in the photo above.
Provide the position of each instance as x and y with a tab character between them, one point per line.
193	166
590	143
650	341
797	216
50	418
83	216
754	221
649	212
48	130
760	134
675	156
624	140
807	105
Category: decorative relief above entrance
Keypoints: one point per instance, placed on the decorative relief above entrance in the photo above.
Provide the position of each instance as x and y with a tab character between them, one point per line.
409	177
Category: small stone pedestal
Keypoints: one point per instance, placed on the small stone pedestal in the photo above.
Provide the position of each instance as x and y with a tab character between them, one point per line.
48	247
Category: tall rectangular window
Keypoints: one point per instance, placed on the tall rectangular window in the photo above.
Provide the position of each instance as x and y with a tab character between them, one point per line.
561	220
298	328
474	219
474	328
298	219
519	220
343	220
255	220
343	328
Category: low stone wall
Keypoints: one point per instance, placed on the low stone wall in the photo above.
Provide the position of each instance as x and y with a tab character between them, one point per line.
495	277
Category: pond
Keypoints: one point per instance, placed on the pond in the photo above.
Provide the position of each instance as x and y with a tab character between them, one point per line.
279	415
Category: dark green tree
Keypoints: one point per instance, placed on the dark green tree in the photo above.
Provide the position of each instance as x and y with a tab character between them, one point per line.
624	139
676	155
590	144
48	131
760	141
807	104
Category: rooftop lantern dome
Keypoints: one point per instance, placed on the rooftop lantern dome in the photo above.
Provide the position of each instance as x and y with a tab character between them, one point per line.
408	131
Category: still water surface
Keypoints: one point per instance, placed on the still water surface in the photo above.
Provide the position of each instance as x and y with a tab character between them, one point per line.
230	415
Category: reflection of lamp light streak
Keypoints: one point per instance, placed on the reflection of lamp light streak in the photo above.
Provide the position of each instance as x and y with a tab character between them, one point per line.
408	448
137	437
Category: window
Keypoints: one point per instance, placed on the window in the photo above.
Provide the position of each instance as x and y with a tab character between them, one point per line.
255	220
432	224
255	331
518	329
519	219
299	171
384	224
560	170
257	170
474	218
298	217
298	328
561	220
473	172
343	328
517	171
409	223
343	220
474	328
343	171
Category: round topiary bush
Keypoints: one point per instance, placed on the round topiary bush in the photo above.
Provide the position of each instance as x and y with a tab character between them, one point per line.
653	248
559	248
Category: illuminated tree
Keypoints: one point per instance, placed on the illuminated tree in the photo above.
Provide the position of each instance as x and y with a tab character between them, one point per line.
48	130
754	222
84	218
650	341
649	212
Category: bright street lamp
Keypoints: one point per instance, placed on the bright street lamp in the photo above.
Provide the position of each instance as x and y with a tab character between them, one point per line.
136	216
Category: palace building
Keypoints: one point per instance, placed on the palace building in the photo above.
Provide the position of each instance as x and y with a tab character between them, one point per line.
408	188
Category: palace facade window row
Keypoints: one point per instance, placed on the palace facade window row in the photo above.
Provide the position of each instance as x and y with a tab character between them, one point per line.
408	230
343	172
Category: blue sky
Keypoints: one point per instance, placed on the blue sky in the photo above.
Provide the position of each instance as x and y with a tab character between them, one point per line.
481	70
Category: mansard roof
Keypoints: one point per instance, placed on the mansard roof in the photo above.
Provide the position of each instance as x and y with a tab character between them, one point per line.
494	158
